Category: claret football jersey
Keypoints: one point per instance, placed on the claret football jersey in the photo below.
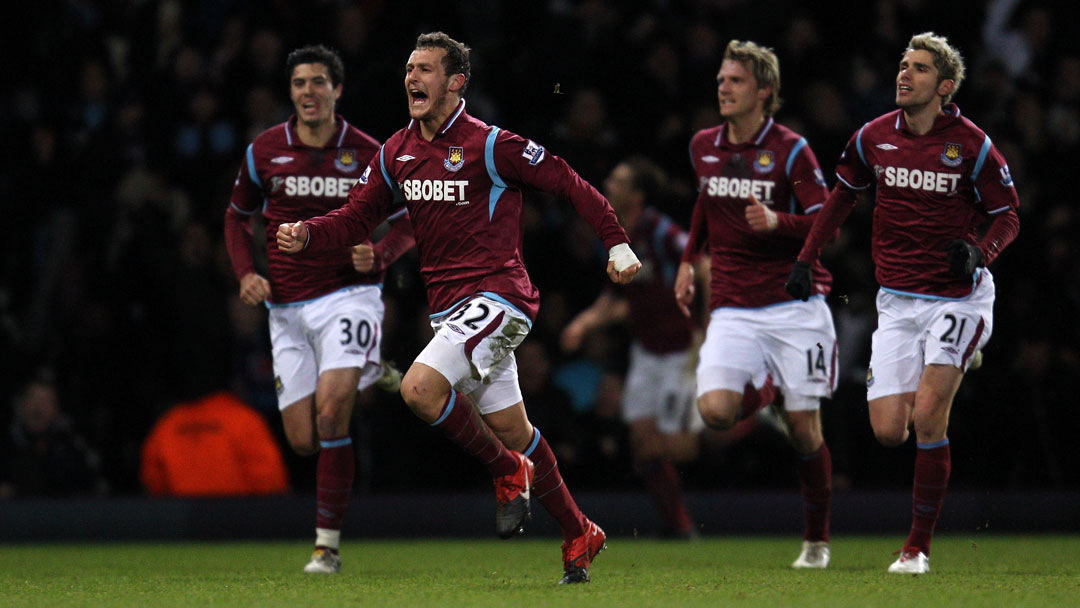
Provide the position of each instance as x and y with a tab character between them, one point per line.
289	181
463	191
655	319
930	189
749	268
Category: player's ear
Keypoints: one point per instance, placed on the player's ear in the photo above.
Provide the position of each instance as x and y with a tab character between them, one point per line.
337	92
457	81
945	87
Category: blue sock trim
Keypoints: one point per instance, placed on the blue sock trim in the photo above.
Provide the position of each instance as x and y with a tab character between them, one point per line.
930	446
532	446
446	412
336	443
812	455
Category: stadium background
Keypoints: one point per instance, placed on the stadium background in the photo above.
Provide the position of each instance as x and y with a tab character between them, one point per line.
124	124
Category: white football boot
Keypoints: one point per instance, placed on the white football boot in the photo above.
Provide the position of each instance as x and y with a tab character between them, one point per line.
323	561
815	554
911	562
390	381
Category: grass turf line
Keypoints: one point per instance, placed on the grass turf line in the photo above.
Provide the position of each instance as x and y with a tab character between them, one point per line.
975	570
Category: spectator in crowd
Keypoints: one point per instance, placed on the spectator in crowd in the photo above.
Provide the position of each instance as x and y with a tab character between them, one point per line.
215	445
42	454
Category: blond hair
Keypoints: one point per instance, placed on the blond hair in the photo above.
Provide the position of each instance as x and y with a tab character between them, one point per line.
763	65
947	60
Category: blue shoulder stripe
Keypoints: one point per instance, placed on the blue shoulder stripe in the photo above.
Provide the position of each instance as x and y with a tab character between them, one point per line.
795	152
982	158
667	266
251	166
858	146
386	177
497	183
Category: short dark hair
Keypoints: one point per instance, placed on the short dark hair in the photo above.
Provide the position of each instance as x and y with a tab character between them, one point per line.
456	60
317	53
649	179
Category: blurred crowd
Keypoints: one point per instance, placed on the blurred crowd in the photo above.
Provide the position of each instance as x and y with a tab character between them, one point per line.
125	125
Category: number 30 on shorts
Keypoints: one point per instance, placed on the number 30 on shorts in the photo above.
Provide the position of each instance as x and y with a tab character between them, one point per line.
360	331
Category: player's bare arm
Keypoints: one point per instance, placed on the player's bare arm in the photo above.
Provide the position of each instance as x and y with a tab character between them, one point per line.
684	287
254	289
292	238
760	217
608	308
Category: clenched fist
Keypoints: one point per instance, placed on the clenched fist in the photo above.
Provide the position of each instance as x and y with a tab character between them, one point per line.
292	238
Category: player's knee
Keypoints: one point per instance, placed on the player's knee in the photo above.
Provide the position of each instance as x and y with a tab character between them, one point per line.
328	423
892	436
716	414
303	446
645	451
806	441
646	443
421	399
930	430
515	438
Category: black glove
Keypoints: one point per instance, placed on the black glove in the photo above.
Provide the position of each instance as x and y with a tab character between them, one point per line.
799	283
964	257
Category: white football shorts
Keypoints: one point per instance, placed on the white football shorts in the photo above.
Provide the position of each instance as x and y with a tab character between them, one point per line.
794	342
914	332
338	330
473	349
661	386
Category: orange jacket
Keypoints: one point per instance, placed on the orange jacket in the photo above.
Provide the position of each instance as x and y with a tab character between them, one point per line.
214	446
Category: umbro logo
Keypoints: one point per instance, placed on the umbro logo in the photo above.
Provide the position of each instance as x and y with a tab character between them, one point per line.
710	159
405	157
281	160
886	147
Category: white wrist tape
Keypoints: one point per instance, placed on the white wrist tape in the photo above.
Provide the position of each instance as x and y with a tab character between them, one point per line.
622	256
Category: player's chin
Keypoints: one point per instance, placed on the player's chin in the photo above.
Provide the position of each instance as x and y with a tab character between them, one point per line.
419	110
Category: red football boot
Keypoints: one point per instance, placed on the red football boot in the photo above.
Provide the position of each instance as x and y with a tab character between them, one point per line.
512	498
578	554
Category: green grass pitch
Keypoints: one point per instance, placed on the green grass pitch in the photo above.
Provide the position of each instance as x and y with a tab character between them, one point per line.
969	571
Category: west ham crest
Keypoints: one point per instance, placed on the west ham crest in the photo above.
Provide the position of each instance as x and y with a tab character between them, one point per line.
455	159
764	161
346	160
951	156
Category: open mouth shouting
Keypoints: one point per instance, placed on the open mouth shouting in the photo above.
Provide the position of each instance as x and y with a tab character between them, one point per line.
417	98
